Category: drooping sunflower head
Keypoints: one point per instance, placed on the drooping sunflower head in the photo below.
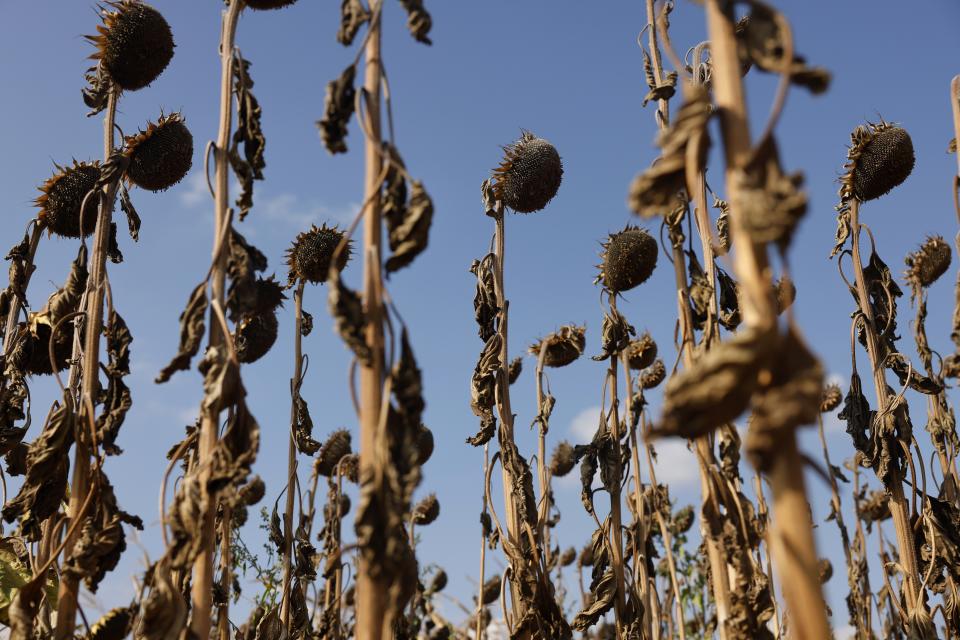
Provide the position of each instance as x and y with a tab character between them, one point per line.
529	175
642	352
309	257
269	295
928	263
262	5
134	43
255	335
563	459
562	347
336	447
879	159
160	156
425	444
427	510
629	257
831	398
654	375
62	195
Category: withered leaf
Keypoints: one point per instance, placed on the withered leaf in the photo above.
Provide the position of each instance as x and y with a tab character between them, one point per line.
615	335
483	383
191	333
306	323
338	107
718	387
769	203
654	191
762	37
222	387
116	399
303	426
126	205
248	133
485	307
488	429
352	16
603	596
347	310
418	20
163	612
408	236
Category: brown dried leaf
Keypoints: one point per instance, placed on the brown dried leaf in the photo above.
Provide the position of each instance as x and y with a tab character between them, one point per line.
769	203
192	328
418	20
351	320
248	132
337	109
353	15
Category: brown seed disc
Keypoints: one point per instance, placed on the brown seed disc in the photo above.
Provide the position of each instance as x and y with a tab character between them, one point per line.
336	447
885	161
344	505
682	521
33	355
563	347
653	376
62	196
134	44
629	257
424	445
256	334
162	155
427	510
831	398
113	626
568	557
929	262
563	460
529	175
309	257
439	582
262	5
642	352
491	590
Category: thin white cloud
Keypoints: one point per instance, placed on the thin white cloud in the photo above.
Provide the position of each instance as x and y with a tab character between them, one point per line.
194	190
288	208
584	424
675	465
845	633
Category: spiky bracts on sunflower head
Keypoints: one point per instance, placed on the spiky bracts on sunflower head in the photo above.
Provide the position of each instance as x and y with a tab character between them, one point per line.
134	43
928	263
562	346
879	159
831	398
258	328
62	195
161	155
641	352
262	5
529	175
629	257
336	447
310	255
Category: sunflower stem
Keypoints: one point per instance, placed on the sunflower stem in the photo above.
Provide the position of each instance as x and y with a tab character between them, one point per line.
16	304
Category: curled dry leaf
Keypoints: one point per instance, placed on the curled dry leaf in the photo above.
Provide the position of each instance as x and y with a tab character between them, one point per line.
418	20
762	38
485	307
347	310
338	108
353	15
250	165
192	328
408	235
615	334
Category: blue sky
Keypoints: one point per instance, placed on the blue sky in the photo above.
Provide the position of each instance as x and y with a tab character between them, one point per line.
570	72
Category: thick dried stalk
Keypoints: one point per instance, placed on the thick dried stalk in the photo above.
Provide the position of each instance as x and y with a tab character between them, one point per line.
373	619
483	551
955	108
90	382
295	383
226	574
202	592
616	517
792	531
544	512
899	511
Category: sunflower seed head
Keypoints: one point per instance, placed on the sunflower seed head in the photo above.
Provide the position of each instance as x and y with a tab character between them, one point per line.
439	581
336	447
563	346
62	195
586	556
568	557
256	334
350	467
134	44
309	257
654	375
160	156
928	263
529	175
642	352
491	590
563	460
424	445
831	398
825	569
880	158
629	257
785	292
427	510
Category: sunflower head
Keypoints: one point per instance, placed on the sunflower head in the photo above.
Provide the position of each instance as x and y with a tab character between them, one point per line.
568	557
32	350
563	459
880	158
629	257
424	445
928	263
161	155
427	510
256	334
309	257
491	590
62	195
115	623
262	5
529	175
642	352
654	375
831	398
336	447
563	346
134	43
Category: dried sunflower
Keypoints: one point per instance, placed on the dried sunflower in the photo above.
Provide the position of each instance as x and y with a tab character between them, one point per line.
33	353
629	257
491	590
642	352
424	445
568	557
831	398
928	263
255	335
161	155
262	5
439	582
880	158
563	347
653	376
114	625
134	43
309	257
336	447
563	459
427	510
62	195
529	175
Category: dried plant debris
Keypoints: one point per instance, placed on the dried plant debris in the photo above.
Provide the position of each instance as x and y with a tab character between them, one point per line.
161	155
350	319
134	44
654	192
762	37
353	15
116	398
563	459
654	375
418	20
928	263
657	91
427	510
63	195
562	347
615	335
718	387
338	107
263	5
529	175
192	327
485	307
408	222
831	398
250	165
770	204
629	258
